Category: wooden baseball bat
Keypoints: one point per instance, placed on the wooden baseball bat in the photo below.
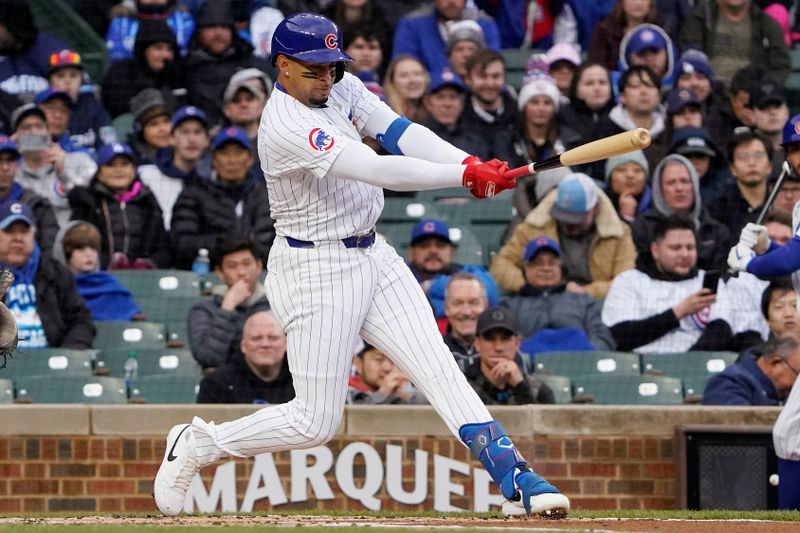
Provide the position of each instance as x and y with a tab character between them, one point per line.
621	143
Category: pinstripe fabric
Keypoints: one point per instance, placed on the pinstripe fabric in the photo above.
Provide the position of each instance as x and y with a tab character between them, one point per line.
324	298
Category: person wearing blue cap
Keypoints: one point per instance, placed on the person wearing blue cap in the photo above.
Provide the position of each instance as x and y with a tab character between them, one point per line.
551	317
124	210
649	45
43	299
186	160
11	191
232	202
57	107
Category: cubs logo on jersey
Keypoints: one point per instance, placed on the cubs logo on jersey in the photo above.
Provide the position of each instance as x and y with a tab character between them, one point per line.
319	140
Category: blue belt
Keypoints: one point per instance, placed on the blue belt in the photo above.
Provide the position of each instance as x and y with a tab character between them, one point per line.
356	241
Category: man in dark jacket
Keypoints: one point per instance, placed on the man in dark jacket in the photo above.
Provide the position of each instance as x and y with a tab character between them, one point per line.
676	191
551	316
464	300
216	52
260	374
43	298
215	325
716	26
496	375
758	378
234	201
155	64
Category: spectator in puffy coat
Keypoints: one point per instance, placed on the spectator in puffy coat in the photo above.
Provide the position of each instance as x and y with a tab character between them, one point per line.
43	298
216	52
544	306
216	324
233	201
155	64
25	51
676	191
124	210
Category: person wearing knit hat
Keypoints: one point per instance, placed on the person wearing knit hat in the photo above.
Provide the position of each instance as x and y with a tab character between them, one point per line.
695	73
627	177
123	31
562	60
464	38
151	124
676	191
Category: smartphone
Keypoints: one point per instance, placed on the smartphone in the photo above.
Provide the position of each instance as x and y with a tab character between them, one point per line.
711	280
34	142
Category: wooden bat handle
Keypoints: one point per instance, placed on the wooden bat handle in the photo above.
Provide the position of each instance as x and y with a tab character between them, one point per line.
621	143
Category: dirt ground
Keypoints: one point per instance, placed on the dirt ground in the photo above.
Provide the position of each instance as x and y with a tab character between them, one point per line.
595	524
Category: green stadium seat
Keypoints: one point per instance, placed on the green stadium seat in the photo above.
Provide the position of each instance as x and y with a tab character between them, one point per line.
405	210
794	53
792	88
490	236
123	125
52	362
129	335
561	385
623	389
166	361
516	64
165	389
692	368
577	364
71	389
166	308
160	283
6	391
178	334
450	195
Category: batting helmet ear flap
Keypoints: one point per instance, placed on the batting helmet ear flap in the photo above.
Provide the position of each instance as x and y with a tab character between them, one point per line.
339	71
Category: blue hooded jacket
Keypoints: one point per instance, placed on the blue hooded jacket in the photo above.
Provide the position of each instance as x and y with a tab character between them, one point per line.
122	31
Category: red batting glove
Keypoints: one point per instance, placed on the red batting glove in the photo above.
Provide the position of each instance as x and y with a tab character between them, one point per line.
484	180
471	160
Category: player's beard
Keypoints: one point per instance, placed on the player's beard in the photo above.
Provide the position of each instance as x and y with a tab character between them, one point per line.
318	101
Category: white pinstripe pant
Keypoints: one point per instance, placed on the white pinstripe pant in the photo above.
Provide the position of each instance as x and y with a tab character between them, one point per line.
324	298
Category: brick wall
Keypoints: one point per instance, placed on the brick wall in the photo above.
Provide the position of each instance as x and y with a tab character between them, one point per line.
618	468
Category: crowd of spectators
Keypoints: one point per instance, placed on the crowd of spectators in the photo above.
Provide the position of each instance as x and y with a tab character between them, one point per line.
157	159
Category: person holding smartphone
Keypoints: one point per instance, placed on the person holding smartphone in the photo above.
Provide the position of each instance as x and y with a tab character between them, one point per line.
44	167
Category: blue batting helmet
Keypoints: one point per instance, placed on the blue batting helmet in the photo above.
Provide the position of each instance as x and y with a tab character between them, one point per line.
310	38
791	130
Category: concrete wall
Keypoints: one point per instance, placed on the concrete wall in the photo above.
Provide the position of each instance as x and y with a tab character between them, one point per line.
103	458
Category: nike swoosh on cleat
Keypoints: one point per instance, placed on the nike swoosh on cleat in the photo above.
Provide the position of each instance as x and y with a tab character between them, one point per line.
170	456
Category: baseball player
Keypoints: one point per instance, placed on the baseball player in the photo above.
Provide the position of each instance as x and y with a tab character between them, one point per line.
755	253
330	280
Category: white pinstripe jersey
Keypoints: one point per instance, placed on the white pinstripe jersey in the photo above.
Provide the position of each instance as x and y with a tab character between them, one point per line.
298	144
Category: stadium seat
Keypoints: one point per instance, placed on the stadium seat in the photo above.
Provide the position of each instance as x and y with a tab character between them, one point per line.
51	362
562	388
177	334
160	283
6	391
123	125
71	389
166	361
516	65
490	236
129	335
579	364
449	195
165	389
627	390
692	368
405	210
166	308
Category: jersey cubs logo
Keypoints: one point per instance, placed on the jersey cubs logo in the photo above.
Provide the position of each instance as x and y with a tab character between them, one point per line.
58	190
331	41
319	140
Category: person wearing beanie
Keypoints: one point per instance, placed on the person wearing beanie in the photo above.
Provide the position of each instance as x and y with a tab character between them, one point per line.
627	184
540	135
216	53
464	38
124	210
151	125
676	191
89	124
697	145
607	36
562	60
123	30
156	64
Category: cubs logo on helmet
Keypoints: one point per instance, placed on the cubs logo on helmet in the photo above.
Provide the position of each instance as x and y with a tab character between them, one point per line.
791	130
331	41
319	140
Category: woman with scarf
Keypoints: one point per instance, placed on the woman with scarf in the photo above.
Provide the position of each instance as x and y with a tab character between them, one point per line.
124	210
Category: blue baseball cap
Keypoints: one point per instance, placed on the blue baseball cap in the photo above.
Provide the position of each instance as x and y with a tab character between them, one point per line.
576	195
189	112
679	99
538	244
50	94
646	38
112	150
11	212
8	145
430	227
443	79
230	134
